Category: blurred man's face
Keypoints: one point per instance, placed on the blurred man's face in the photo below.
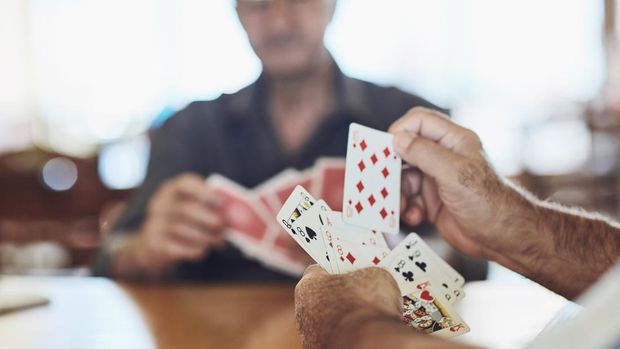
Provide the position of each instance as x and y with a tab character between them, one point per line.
287	35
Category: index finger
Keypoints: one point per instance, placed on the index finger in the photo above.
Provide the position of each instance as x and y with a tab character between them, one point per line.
435	126
194	186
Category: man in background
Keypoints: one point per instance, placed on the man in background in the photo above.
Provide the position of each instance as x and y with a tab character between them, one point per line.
298	110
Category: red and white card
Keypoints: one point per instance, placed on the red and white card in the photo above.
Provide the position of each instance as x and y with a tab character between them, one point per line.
354	248
329	181
242	211
250	225
372	180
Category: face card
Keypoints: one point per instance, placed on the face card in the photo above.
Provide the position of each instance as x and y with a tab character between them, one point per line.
329	180
298	202
426	312
243	212
411	264
372	180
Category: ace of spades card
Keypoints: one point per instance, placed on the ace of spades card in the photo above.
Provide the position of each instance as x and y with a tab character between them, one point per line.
372	180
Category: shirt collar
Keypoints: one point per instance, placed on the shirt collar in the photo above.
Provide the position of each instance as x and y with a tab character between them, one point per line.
351	103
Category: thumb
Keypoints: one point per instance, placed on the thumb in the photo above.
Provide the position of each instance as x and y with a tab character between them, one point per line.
430	157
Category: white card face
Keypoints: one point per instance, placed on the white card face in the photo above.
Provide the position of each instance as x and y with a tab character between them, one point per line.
295	206
366	238
354	248
426	312
412	264
372	180
324	211
452	275
308	232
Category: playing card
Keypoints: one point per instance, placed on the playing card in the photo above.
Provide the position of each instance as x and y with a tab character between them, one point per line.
354	248
329	180
426	312
372	180
443	267
298	202
266	192
243	213
280	187
413	263
309	233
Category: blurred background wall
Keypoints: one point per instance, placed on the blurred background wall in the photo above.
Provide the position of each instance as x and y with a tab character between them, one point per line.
83	81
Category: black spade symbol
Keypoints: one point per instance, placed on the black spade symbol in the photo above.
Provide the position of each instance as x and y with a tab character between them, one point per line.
311	234
421	265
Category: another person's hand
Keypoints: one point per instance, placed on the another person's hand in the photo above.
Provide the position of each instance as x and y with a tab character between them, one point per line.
182	223
451	183
332	309
294	251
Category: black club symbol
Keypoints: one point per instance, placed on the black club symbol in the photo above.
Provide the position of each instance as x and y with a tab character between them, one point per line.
408	276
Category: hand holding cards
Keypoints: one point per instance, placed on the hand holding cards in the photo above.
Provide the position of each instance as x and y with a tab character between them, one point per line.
428	284
342	243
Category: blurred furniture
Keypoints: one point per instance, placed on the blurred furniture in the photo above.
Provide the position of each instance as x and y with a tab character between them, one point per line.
31	211
597	193
98	313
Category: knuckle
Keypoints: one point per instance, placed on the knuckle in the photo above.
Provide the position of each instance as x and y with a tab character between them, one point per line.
189	178
301	289
185	208
473	137
168	185
175	229
186	176
469	173
437	113
418	110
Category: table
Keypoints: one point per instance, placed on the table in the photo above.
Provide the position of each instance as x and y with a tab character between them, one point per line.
99	313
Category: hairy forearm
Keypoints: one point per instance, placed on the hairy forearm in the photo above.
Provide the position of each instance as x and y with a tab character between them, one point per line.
563	249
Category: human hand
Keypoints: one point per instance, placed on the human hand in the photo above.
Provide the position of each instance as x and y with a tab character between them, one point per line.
182	223
331	309
451	184
294	251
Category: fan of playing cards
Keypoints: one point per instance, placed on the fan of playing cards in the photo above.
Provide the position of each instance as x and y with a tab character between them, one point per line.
353	239
249	213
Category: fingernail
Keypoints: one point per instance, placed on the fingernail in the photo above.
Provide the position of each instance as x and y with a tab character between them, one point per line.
402	140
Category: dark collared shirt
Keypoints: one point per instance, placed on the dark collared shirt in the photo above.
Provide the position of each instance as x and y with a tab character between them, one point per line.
234	136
